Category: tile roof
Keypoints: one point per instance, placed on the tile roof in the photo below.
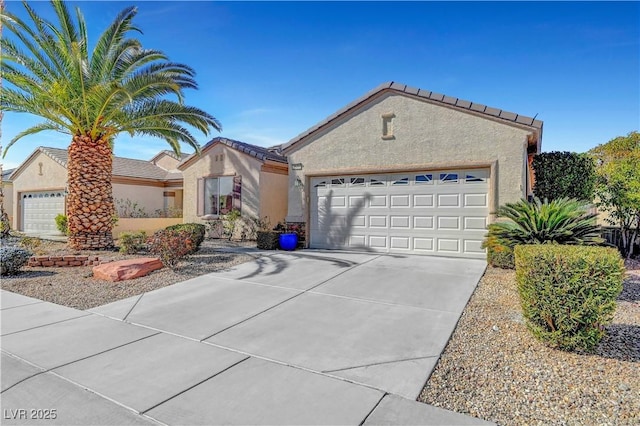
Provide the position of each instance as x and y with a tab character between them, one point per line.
124	167
6	174
433	97
259	152
170	154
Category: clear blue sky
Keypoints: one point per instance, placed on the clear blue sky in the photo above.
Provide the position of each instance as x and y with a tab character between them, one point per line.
269	70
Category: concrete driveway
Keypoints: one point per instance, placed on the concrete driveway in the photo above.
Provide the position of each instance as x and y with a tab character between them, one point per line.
308	337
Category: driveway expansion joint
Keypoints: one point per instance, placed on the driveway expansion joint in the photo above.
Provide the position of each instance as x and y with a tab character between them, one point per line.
373	409
86	314
193	386
381	363
20	306
133	307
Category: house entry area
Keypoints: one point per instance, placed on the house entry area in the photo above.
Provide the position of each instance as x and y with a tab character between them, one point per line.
427	212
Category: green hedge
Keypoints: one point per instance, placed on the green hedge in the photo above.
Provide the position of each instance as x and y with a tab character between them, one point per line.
197	231
568	293
564	175
498	254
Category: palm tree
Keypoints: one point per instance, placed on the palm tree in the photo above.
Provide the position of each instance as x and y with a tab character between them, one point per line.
93	96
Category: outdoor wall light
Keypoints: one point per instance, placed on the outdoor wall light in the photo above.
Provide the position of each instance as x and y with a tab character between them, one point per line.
298	183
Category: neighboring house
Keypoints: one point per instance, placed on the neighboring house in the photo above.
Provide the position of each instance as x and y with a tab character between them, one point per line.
230	175
407	170
7	192
39	187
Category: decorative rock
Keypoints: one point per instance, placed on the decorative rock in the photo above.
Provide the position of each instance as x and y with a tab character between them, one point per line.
126	269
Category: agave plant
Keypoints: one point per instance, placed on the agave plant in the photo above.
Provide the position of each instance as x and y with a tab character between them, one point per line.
562	221
93	96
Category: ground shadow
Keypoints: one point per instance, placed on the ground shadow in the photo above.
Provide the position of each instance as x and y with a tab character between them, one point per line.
622	342
30	274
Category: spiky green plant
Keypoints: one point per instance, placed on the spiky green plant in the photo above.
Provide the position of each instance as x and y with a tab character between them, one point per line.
562	221
94	95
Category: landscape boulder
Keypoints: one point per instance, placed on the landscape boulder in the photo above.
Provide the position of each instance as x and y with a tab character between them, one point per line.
126	269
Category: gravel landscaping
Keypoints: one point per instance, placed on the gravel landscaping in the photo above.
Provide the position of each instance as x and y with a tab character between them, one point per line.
494	369
75	287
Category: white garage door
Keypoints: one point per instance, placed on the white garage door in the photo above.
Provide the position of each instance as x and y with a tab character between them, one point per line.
39	211
433	212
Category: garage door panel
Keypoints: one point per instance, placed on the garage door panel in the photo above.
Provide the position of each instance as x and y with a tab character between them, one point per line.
475	200
377	221
39	210
477	223
449	245
423	200
473	246
423	222
378	242
378	201
448	200
400	201
449	222
401	243
423	244
402	222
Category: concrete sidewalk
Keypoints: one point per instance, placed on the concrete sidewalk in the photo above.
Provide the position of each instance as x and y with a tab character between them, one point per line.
307	337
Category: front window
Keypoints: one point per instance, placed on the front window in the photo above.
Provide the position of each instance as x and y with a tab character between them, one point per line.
218	195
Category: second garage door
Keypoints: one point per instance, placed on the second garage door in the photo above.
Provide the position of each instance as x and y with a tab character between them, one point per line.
39	211
431	212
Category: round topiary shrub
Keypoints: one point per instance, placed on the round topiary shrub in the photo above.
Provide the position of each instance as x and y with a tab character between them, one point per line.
568	293
12	259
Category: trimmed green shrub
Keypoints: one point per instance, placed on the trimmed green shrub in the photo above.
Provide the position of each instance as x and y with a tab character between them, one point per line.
196	231
568	293
498	255
12	259
62	224
268	240
171	245
564	175
132	242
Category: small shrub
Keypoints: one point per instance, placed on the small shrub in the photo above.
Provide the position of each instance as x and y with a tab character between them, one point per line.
268	240
62	224
568	293
196	232
30	243
12	259
230	222
133	242
171	245
498	255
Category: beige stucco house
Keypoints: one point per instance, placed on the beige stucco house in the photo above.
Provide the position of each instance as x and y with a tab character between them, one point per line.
39	187
230	175
406	170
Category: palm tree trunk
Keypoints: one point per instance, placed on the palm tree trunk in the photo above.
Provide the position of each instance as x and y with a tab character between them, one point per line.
90	207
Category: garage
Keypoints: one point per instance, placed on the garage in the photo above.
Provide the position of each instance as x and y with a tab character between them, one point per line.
39	211
441	212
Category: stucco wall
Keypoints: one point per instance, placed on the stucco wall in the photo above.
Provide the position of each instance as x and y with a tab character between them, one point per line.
150	198
148	225
273	197
7	192
233	162
53	177
425	136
